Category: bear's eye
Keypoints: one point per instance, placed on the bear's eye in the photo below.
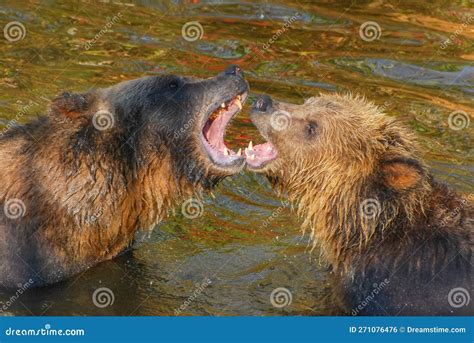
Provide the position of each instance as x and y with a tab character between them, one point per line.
311	129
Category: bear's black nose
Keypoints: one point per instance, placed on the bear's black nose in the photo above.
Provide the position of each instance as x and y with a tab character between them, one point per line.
234	70
262	103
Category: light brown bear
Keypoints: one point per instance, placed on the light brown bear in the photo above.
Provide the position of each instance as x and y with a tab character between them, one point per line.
400	242
77	184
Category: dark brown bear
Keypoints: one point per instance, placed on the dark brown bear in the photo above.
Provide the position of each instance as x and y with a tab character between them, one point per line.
400	242
77	184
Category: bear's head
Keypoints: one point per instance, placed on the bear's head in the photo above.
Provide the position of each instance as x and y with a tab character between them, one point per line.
178	118
339	156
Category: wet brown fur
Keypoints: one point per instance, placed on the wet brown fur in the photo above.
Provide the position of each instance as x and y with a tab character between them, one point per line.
88	217
359	153
86	192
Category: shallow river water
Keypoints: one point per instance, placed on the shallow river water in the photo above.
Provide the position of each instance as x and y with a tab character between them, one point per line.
417	63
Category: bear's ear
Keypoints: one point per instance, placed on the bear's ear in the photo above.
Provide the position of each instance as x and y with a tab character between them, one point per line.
401	173
70	105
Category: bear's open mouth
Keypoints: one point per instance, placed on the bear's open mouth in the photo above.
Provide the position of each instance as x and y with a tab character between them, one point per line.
214	130
260	155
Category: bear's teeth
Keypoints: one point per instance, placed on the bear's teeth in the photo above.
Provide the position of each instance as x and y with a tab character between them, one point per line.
238	103
226	152
223	105
239	152
250	145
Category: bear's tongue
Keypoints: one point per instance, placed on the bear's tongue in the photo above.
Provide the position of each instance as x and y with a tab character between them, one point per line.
214	131
258	155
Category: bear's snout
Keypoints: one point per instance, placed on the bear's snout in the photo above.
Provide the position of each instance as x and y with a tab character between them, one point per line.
234	69
262	104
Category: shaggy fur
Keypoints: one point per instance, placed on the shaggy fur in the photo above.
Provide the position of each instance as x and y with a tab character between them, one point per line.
73	195
371	204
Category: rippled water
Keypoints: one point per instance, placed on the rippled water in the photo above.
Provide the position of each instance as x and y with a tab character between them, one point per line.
409	68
